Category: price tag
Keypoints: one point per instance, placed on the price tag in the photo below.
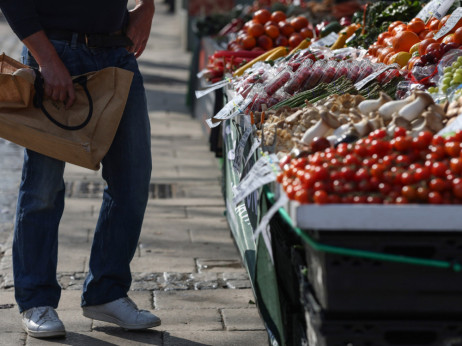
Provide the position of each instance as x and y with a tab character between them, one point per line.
429	10
265	220
451	23
239	152
374	75
201	73
229	108
256	144
217	85
443	9
263	172
327	41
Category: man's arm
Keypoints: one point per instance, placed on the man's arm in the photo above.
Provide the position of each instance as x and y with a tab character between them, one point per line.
58	81
24	21
139	25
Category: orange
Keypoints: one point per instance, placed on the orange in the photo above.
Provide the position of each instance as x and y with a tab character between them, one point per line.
256	29
383	36
382	53
416	26
388	41
272	31
433	24
306	33
392	25
265	42
404	40
398	28
262	16
448	38
278	16
387	57
248	42
373	49
299	23
443	21
423	33
431	34
423	45
412	61
458	36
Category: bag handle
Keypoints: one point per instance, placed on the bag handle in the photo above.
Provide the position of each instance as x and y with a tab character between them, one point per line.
38	101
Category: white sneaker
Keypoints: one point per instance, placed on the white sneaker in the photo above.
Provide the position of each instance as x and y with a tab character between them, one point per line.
122	312
42	322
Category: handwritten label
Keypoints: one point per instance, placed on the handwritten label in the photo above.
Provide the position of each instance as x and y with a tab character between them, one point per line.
263	172
217	85
429	10
451	23
443	9
374	75
327	41
239	153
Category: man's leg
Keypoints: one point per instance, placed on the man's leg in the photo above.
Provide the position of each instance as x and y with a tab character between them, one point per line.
35	244
127	171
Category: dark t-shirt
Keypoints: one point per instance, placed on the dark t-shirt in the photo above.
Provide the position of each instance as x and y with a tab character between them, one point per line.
85	16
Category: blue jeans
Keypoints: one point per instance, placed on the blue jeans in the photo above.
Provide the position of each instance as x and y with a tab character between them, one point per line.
126	169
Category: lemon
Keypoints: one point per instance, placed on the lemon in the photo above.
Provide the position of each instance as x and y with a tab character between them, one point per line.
414	48
400	58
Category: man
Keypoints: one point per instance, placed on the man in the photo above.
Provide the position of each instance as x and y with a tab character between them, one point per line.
64	39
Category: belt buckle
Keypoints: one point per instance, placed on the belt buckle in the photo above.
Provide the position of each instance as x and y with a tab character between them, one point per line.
85	36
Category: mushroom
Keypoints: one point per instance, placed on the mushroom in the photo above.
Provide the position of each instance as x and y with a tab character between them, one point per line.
291	119
398	121
369	106
376	122
428	122
355	116
362	127
386	110
327	122
415	108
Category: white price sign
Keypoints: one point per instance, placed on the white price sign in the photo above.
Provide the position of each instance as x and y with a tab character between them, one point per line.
359	85
451	23
263	172
327	41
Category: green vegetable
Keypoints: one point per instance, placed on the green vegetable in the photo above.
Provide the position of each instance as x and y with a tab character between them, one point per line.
331	27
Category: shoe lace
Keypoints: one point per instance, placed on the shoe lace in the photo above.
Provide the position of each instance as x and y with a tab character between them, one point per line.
45	314
130	303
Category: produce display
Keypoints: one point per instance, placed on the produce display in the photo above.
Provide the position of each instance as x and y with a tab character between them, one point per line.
337	112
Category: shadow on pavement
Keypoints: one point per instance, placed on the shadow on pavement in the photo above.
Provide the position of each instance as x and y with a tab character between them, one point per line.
170	101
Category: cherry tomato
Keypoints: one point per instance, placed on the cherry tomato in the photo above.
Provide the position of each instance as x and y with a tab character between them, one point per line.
434	197
439	169
409	192
401	143
400	132
320	197
452	148
456	165
437	184
457	187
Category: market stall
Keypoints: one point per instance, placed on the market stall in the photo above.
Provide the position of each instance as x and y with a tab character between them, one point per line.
342	174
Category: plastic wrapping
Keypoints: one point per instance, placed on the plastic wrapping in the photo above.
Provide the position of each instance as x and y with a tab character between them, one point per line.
278	81
299	78
317	72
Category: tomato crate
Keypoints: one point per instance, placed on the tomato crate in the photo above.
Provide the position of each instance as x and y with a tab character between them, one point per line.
323	329
415	280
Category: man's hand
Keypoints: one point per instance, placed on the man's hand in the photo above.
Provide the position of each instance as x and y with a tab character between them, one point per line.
139	25
58	82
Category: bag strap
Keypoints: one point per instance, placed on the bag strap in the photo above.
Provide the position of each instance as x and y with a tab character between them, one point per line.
39	95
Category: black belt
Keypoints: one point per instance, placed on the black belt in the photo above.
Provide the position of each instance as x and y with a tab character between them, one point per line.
117	39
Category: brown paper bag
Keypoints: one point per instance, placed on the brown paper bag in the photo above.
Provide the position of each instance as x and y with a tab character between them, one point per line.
80	135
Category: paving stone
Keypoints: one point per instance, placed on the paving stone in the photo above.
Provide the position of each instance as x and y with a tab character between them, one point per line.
242	319
74	321
211	236
190	320
104	335
10	320
216	338
163	263
238	284
12	338
218	265
208	299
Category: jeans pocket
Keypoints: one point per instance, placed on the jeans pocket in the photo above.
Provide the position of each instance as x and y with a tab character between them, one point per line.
61	48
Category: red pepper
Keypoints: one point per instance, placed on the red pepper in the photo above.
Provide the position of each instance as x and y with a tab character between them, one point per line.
238	53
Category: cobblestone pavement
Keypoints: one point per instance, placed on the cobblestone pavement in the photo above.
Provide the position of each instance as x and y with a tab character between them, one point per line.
187	269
